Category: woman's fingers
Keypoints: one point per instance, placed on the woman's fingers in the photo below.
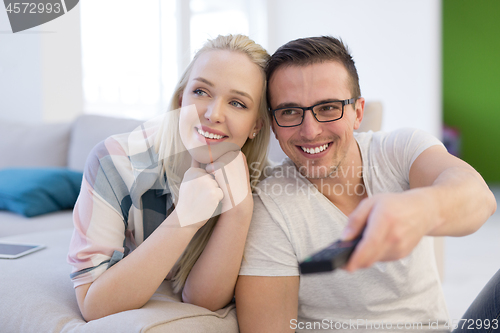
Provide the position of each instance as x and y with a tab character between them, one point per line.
231	173
194	163
199	196
223	161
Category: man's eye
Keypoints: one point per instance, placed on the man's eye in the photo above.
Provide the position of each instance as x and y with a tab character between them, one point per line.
200	92
237	104
288	112
329	107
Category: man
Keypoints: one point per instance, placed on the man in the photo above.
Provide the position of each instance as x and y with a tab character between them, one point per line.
395	188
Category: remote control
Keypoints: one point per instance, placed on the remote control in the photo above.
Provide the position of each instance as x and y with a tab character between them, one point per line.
330	258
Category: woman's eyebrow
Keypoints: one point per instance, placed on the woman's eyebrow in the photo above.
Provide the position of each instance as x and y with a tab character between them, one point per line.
242	93
204	81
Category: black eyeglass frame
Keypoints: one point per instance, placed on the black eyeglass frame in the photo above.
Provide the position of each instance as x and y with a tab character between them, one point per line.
344	103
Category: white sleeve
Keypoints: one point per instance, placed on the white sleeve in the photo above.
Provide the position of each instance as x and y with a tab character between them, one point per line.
268	251
403	146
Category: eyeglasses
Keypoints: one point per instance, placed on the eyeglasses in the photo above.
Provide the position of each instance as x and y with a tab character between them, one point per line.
322	112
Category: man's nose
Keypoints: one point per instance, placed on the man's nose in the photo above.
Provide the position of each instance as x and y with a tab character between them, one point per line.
310	127
215	111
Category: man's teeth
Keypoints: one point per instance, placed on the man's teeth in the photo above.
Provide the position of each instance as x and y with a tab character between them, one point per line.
209	135
315	150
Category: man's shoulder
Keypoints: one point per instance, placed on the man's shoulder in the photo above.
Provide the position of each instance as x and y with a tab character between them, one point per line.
400	136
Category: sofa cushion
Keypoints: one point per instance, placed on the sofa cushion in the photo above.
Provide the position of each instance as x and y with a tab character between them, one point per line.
38	296
29	145
14	224
36	191
89	130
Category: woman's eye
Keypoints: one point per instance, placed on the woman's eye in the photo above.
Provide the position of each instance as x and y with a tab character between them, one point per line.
200	92
238	104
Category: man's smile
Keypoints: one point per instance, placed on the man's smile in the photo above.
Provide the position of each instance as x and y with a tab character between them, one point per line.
314	150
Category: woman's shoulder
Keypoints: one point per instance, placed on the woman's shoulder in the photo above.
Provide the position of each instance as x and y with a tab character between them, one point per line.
126	151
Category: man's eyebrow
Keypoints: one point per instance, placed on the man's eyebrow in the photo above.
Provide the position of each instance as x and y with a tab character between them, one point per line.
287	105
204	81
242	93
293	105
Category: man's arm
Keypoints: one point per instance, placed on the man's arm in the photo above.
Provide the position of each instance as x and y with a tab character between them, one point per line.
447	197
459	193
267	303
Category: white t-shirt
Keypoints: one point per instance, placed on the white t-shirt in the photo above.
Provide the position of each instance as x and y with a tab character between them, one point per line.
292	220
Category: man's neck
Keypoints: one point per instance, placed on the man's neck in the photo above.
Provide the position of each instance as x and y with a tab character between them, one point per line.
345	187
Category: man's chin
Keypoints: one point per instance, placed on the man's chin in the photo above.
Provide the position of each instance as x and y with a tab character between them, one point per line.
316	172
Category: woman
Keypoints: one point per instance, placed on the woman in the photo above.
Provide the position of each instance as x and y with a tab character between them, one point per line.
152	191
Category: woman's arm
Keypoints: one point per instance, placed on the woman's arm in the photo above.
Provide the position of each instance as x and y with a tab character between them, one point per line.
211	282
131	282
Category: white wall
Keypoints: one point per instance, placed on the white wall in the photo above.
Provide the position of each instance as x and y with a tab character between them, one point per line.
396	46
40	70
395	43
20	76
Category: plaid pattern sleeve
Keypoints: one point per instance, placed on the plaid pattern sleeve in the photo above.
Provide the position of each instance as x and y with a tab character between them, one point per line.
122	200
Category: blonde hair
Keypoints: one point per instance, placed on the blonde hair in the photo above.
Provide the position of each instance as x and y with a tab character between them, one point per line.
168	144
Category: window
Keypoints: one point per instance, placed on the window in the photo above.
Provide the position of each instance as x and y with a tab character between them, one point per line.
133	52
212	18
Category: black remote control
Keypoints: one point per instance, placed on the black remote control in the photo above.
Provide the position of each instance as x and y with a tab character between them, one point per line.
330	258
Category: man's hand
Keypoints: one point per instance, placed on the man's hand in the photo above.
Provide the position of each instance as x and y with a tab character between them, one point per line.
395	224
447	198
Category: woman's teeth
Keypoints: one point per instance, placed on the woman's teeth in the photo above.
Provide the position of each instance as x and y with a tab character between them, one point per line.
315	150
209	135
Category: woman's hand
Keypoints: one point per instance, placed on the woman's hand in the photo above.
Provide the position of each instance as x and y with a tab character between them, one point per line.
211	282
231	173
199	196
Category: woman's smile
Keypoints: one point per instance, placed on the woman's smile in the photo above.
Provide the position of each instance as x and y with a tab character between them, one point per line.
210	136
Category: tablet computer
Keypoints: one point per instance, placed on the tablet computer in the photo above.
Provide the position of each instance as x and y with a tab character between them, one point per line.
16	250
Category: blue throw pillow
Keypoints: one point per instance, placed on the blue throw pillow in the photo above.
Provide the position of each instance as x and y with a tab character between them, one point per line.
36	191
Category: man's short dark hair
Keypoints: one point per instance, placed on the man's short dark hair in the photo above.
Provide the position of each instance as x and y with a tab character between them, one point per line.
312	50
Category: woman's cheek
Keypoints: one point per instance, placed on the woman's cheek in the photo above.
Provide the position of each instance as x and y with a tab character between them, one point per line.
188	120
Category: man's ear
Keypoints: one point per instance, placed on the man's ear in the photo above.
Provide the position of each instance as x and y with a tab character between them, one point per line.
273	124
359	108
274	130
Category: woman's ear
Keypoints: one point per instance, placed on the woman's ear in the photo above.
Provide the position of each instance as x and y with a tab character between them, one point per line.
258	126
180	98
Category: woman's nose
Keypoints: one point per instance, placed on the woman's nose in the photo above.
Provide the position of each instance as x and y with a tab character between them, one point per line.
215	112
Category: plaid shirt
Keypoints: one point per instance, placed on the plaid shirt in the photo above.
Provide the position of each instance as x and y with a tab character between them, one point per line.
121	202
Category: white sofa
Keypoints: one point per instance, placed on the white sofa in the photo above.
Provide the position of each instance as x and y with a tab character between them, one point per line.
36	293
